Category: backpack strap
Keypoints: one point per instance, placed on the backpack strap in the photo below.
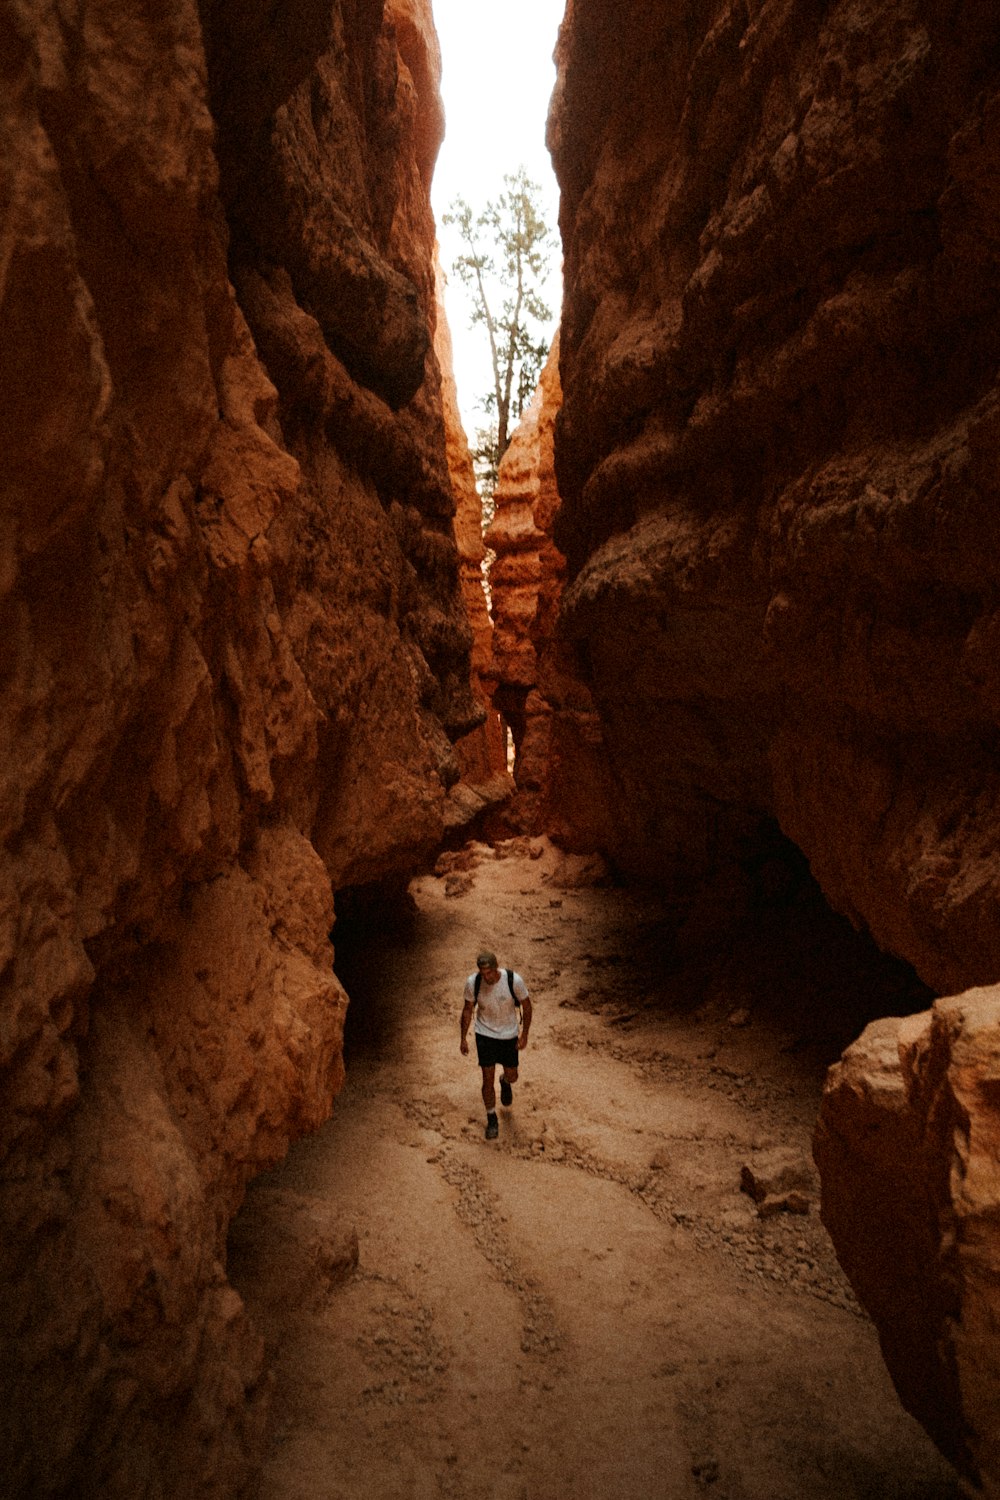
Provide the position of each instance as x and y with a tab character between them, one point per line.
510	986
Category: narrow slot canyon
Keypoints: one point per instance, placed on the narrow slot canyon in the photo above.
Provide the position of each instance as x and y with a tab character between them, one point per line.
595	1304
715	772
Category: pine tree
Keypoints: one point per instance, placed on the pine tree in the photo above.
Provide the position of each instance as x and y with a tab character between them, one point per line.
503	265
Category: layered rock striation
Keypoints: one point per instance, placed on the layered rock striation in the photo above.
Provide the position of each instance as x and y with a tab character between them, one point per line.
560	766
235	660
908	1144
777	446
485	784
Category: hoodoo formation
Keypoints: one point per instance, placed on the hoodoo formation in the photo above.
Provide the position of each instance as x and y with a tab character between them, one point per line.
561	767
236	658
746	599
481	754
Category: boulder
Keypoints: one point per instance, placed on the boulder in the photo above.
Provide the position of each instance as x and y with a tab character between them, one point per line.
908	1149
779	1181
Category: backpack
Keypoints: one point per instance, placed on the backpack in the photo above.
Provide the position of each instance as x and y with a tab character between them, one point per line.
510	985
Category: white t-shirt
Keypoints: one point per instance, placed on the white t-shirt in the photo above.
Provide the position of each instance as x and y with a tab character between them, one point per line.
496	1013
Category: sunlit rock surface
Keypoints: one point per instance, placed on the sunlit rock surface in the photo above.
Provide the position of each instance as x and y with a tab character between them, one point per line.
777	450
235	659
908	1146
561	767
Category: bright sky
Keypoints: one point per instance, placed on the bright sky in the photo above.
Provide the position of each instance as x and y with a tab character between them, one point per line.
498	75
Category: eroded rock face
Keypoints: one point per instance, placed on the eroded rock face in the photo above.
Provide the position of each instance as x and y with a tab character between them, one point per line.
908	1147
777	446
561	767
482	756
235	657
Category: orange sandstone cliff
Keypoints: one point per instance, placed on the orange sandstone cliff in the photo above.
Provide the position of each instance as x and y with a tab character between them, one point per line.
482	756
777	448
561	768
908	1144
235	661
777	457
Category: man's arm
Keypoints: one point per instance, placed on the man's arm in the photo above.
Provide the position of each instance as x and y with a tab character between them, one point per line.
522	1040
467	1010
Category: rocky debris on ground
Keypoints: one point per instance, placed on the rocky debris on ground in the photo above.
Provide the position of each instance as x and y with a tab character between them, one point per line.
908	1148
459	860
484	1215
779	1252
513	848
458	866
574	870
600	1243
403	1357
779	1182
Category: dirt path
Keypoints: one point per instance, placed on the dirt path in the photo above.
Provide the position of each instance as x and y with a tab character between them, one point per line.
589	1307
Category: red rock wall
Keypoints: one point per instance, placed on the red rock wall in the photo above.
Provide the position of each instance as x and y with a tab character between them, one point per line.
908	1143
777	451
235	658
561	764
482	755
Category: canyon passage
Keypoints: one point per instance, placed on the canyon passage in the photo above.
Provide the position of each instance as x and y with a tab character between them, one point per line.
590	1305
745	638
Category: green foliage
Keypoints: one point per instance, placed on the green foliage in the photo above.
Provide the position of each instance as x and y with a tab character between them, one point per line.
503	265
486	462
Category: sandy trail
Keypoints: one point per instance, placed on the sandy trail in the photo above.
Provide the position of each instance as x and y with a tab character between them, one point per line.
589	1306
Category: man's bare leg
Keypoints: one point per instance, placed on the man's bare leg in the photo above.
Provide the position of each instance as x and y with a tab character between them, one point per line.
490	1100
508	1077
489	1089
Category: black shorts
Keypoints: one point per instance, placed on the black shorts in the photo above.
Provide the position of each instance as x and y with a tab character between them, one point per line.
495	1049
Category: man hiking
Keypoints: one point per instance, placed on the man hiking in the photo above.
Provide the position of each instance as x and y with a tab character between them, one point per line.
496	996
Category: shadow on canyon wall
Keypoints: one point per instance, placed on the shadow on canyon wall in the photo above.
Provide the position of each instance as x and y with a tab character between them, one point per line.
746	624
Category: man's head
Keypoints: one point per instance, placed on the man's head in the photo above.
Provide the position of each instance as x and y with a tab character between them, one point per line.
486	963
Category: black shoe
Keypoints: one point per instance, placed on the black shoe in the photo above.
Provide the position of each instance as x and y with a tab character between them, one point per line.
492	1128
506	1092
